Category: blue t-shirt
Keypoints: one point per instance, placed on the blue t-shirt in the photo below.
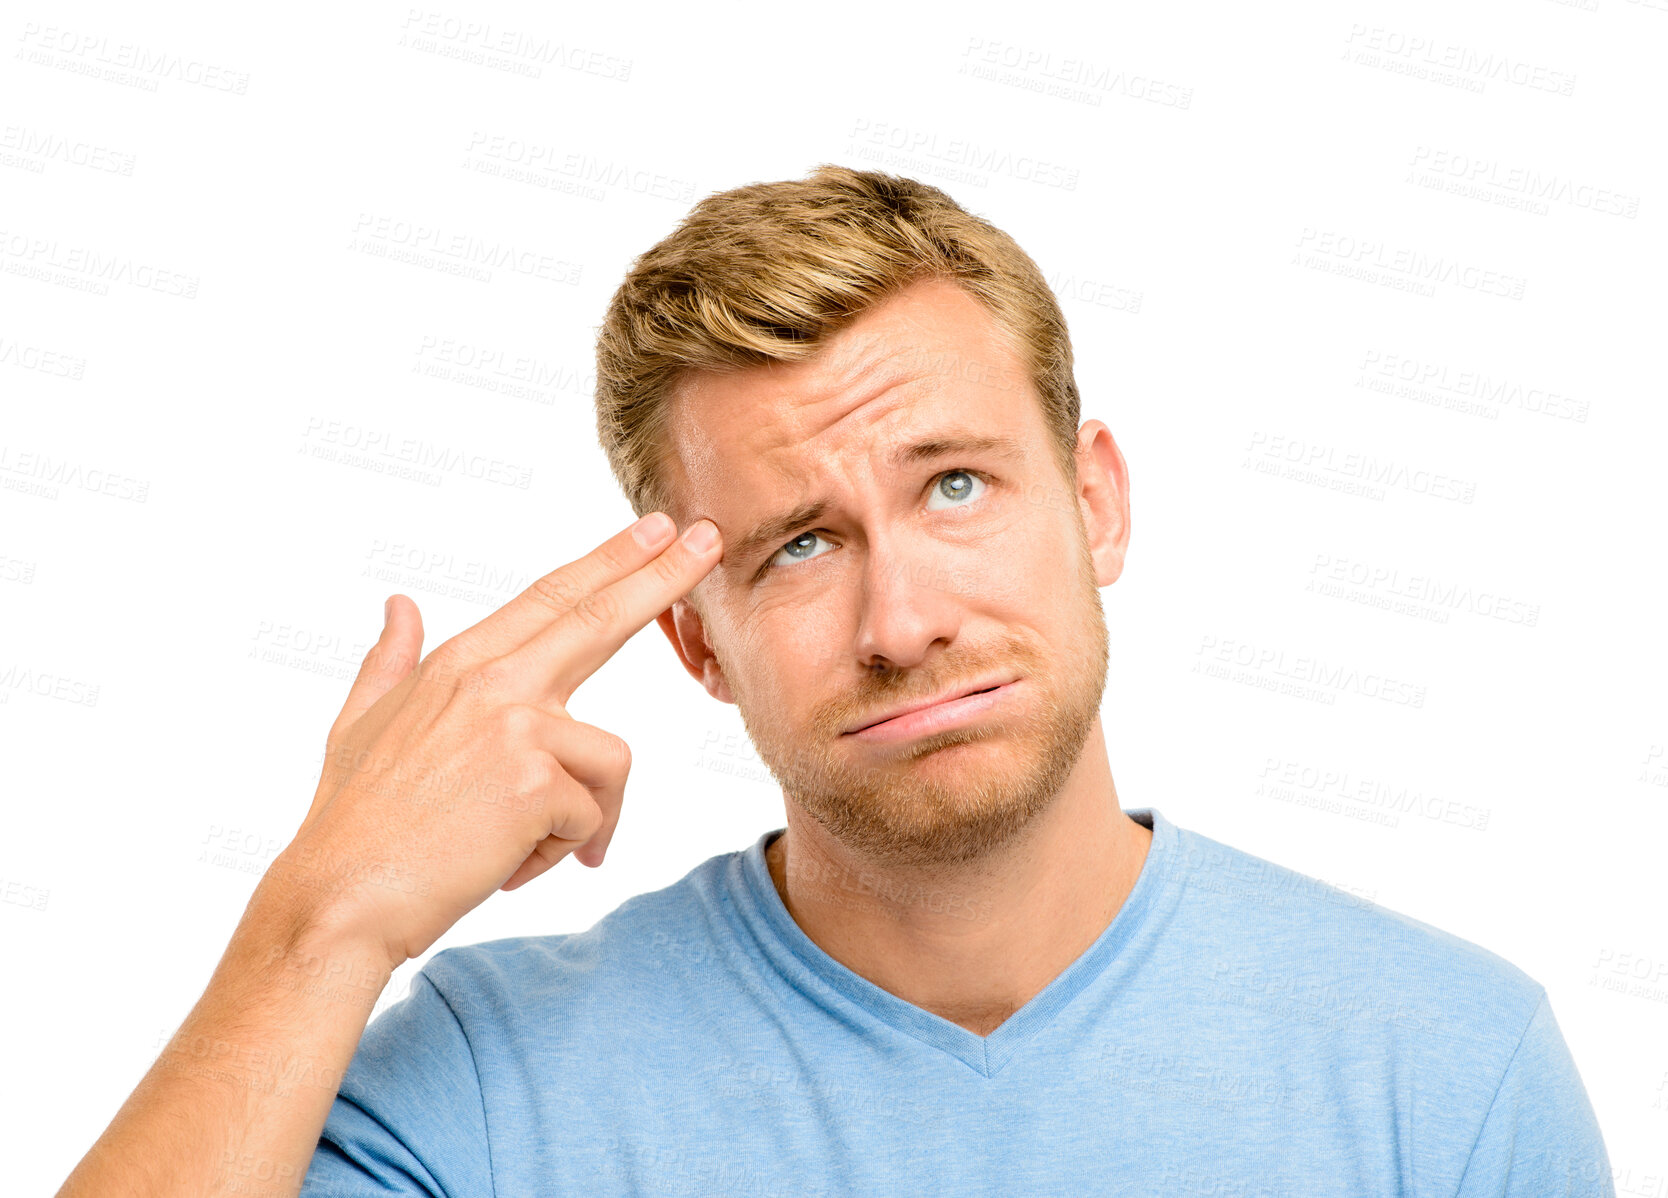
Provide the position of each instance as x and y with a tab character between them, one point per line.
1239	1030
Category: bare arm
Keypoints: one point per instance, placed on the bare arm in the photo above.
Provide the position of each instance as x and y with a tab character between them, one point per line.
445	779
236	1101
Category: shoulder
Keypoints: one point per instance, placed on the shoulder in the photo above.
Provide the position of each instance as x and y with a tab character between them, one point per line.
1271	931
1386	1013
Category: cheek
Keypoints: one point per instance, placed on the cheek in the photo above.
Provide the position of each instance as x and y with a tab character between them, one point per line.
1035	580
1015	574
784	653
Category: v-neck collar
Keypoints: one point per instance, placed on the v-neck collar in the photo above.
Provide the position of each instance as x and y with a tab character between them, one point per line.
807	966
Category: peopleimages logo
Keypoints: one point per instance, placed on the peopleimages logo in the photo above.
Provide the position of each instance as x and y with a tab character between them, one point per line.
48	685
1486	175
967	156
1378	800
525	160
41	474
40	359
1311	461
51	261
40	146
384	451
1300	675
1067	77
1471	391
1415	54
427	245
1369	258
1424	595
87	49
516	50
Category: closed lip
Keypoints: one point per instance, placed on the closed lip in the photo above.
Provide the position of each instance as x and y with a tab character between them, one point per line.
918	704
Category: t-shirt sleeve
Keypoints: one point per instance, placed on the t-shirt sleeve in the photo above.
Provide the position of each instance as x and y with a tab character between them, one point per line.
408	1118
1540	1138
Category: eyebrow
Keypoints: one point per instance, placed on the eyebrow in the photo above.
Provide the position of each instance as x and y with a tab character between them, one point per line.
773	531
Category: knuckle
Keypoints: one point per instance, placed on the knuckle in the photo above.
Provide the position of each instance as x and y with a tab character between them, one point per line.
519	721
619	756
442	665
585	820
536	772
611	562
670	567
556	591
485	678
597	612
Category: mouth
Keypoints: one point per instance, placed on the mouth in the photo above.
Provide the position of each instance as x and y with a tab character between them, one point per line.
935	701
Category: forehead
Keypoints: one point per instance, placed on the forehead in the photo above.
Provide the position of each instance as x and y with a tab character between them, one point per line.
929	361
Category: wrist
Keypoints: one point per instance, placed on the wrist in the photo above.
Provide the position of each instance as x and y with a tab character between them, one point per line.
295	938
321	898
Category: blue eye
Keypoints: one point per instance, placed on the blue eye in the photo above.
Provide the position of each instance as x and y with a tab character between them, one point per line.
953	485
957	484
800	547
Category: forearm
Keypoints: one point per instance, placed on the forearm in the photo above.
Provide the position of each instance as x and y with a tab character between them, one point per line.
236	1101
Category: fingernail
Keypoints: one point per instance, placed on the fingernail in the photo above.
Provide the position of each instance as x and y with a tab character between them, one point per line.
701	536
387	610
651	530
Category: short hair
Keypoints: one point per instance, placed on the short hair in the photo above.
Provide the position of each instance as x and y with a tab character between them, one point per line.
769	271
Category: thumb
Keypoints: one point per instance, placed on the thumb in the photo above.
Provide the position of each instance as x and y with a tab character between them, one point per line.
387	662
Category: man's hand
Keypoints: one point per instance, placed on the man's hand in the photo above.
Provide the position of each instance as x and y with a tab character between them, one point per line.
441	784
466	774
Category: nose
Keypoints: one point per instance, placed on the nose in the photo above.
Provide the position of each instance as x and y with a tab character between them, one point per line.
909	604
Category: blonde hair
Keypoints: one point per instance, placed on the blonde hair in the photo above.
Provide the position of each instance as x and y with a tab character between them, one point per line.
769	271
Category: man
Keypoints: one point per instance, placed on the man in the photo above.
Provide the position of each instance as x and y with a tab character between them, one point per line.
961	967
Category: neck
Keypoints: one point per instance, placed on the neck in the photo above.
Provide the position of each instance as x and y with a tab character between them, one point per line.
974	943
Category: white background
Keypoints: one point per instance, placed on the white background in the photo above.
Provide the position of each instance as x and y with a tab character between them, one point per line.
1421	240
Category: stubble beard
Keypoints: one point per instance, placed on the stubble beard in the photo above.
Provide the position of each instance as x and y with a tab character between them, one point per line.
930	804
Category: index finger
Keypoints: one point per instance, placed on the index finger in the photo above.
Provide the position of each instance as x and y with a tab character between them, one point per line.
556	593
555	660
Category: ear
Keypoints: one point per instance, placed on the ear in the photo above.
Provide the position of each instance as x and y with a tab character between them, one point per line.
683	627
1103	498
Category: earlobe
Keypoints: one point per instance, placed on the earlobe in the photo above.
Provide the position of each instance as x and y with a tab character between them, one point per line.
1103	495
683	627
714	681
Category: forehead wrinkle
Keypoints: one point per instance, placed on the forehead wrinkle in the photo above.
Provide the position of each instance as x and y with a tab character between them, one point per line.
774	528
800	418
871	368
